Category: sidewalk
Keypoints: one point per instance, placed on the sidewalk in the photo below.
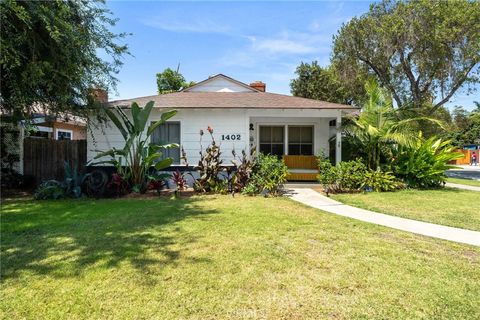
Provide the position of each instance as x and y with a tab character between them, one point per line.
314	199
462	186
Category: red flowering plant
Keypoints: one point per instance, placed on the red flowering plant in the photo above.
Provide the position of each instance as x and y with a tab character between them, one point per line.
209	166
179	180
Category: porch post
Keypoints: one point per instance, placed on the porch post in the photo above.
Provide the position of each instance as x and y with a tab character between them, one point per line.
338	140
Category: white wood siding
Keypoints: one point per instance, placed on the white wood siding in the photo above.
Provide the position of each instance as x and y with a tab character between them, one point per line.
223	122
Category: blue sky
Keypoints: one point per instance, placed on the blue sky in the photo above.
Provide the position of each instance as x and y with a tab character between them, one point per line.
245	40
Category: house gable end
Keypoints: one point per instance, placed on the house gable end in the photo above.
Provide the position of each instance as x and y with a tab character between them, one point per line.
220	83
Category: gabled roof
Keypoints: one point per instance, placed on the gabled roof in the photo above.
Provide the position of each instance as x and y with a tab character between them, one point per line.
220	76
195	98
230	100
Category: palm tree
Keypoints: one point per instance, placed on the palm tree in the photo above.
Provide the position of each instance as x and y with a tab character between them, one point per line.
380	127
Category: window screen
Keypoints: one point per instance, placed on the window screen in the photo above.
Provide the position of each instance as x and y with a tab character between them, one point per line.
300	140
272	140
168	133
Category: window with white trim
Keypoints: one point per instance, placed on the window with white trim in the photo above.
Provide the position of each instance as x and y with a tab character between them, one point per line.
300	140
272	140
62	134
168	132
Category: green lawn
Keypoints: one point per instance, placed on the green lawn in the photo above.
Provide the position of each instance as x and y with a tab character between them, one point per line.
218	257
468	182
448	206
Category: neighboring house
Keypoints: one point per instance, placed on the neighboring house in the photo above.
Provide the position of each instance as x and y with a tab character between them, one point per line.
13	133
242	116
66	127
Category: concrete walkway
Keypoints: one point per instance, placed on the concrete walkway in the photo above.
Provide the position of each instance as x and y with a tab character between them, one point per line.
462	186
314	199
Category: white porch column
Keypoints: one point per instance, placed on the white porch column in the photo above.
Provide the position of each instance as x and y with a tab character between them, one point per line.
338	142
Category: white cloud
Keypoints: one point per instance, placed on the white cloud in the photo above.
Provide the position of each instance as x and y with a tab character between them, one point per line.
181	25
281	46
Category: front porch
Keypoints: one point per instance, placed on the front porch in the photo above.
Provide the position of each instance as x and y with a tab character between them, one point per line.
298	139
301	168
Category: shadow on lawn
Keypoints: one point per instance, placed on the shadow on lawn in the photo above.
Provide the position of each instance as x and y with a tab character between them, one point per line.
64	238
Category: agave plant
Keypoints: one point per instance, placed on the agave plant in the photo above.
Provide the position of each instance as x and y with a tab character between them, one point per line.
138	155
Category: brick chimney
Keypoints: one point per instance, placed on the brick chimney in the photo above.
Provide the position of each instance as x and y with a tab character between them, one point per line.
259	85
100	95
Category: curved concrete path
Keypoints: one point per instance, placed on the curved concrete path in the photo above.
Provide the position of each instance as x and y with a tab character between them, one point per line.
314	199
462	186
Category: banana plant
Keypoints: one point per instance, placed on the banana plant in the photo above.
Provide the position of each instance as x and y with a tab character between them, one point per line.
138	155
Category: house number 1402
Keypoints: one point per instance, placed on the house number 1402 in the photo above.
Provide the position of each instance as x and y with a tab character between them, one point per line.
231	137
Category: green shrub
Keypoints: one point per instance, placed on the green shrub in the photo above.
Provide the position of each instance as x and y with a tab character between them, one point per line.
376	180
269	174
327	175
50	190
250	189
424	164
351	175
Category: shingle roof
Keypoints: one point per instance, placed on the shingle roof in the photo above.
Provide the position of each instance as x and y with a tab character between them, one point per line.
230	100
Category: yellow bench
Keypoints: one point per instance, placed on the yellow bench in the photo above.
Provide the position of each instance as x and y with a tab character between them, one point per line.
301	168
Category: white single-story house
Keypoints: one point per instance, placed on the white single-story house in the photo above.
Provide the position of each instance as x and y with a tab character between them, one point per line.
242	116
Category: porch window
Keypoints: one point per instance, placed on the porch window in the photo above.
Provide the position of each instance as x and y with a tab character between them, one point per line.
272	139
300	140
168	133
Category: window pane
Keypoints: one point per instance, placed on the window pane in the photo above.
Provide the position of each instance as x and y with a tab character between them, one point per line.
265	134
307	134
294	149
294	134
277	149
306	150
265	148
277	134
168	133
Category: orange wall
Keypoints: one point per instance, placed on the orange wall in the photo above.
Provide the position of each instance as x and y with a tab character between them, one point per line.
467	156
79	132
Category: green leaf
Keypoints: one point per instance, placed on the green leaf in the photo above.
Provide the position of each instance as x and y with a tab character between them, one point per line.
165	163
165	116
117	122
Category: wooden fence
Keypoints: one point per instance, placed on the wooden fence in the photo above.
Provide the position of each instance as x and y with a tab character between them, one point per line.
45	159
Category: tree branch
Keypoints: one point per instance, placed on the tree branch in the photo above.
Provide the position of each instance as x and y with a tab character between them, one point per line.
454	88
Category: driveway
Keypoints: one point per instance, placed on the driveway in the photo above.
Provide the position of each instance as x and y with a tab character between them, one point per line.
467	172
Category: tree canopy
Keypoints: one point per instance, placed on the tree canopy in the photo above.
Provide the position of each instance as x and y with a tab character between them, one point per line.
54	52
421	51
319	83
171	81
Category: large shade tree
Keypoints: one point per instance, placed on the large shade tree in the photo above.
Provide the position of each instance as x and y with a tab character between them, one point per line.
421	51
54	52
316	82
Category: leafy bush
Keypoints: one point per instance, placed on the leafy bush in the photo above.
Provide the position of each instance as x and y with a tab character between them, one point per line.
269	174
50	190
424	164
351	175
376	180
327	175
70	187
250	189
138	153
